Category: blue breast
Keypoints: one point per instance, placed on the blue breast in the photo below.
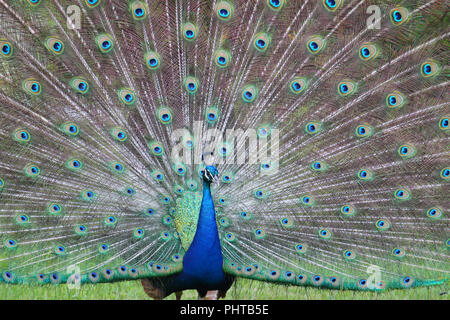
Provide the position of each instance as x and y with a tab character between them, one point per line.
203	262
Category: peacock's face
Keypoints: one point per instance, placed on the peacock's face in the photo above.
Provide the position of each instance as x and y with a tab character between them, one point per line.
209	173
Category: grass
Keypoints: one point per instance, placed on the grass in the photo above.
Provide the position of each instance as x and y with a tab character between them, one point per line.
242	289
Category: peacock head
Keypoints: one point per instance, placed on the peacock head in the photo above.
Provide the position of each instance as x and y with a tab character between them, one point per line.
210	173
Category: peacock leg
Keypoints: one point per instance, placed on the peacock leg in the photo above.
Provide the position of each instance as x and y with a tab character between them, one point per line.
152	290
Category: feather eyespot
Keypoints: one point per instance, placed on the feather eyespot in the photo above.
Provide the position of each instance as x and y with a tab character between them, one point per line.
364	131
402	194
222	58
230	237
212	115
224	222
224	10
55	209
81	230
54	45
79	84
192	184
348	210
325	234
152	60
60	250
443	123
260	194
365	175
298	85
317	280
88	195
307	200
398	253
22	135
70	128
406	151
138	233
191	85
346	88
32	87
23	220
434	213
158	175
10	243
315	44
407	281
117	167
139	10
104	42
32	171
332	5
34	2
6	49
430	68
445	173
349	255
249	93
368	51
383	224
286	222
261	41
301	248
110	221
399	16
275	5
156	148
127	96
259	233
264	130
164	115
178	189
395	100
165	236
319	166
165	199
119	134
92	3
245	215
301	278
313	127
74	164
190	31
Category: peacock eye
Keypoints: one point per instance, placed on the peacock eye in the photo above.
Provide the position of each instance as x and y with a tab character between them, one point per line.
315	44
6	49
443	123
261	42
399	15
224	10
191	85
190	31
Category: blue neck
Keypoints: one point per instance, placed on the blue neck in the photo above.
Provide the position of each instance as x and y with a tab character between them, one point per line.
203	262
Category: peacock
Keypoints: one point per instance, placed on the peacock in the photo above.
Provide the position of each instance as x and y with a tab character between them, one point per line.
187	143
